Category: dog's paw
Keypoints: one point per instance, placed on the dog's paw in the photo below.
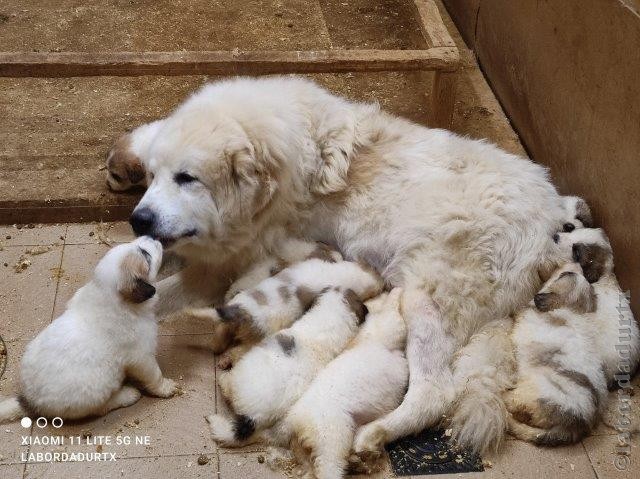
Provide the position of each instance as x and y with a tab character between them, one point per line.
369	442
225	362
167	388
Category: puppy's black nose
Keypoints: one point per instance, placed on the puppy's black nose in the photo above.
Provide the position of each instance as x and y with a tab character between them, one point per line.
556	238
142	221
540	301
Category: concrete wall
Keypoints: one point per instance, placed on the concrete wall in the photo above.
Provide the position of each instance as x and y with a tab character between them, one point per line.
567	72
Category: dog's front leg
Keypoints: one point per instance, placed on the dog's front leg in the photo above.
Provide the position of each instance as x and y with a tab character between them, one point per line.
429	352
147	371
197	285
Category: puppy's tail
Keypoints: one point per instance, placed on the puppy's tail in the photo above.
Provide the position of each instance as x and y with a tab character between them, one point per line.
556	436
232	431
484	369
207	314
11	409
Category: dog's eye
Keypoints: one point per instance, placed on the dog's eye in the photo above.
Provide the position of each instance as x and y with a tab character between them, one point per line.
568	227
565	274
184	178
116	177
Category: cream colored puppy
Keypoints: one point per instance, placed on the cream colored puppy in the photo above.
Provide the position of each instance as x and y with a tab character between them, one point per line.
276	302
365	382
269	379
561	386
127	158
76	367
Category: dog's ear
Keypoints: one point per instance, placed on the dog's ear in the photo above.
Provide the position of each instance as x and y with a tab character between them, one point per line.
135	170
251	174
331	174
132	284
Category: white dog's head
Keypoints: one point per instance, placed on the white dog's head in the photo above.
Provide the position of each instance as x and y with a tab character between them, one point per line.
130	269
590	248
208	183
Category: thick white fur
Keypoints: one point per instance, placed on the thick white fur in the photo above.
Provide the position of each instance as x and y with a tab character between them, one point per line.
365	382
462	226
76	366
269	379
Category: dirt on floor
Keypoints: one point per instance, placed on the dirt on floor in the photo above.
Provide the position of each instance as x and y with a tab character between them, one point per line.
55	131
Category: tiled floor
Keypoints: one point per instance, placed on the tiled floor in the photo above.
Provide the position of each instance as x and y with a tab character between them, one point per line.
178	442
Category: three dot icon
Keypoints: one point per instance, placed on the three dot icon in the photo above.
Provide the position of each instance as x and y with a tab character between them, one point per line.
41	422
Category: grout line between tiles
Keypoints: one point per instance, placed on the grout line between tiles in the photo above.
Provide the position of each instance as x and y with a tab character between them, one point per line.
59	276
584	448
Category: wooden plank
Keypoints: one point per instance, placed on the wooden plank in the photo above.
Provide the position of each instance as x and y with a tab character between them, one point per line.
433	29
70	64
443	97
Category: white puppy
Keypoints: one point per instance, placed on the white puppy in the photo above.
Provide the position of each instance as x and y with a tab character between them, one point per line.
618	337
76	367
578	214
561	386
365	382
276	302
271	377
128	157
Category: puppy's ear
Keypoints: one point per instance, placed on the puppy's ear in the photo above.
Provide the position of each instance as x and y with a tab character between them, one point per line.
331	173
592	259
583	213
133	285
135	170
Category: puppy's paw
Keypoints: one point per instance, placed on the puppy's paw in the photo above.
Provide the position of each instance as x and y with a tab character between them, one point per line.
225	362
166	389
369	442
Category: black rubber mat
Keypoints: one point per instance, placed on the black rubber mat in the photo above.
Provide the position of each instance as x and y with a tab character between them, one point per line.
430	453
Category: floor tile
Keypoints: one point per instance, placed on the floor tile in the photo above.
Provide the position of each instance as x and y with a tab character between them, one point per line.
27	296
244	465
522	460
610	462
13	471
173	426
11	434
78	264
97	233
183	467
26	236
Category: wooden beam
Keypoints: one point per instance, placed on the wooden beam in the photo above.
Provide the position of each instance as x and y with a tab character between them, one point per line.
443	99
71	64
434	31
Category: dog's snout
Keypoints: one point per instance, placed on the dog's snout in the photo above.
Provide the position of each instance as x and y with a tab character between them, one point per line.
540	301
142	221
556	238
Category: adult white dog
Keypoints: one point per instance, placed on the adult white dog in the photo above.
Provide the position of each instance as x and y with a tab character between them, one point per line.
463	227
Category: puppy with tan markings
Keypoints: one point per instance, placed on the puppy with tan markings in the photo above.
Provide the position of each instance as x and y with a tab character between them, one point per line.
618	336
76	367
269	378
127	158
276	302
365	382
561	386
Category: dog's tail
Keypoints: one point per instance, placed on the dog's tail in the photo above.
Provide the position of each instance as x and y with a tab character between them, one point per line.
483	370
11	409
555	436
235	430
206	314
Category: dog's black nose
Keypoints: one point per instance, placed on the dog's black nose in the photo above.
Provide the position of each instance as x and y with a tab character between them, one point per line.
540	301
142	221
556	238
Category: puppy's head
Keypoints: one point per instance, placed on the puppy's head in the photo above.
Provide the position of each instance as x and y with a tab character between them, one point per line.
567	288
209	183
124	167
590	248
577	214
130	269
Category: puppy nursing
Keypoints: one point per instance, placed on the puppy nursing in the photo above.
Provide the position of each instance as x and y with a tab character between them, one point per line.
276	302
271	376
567	344
76	367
